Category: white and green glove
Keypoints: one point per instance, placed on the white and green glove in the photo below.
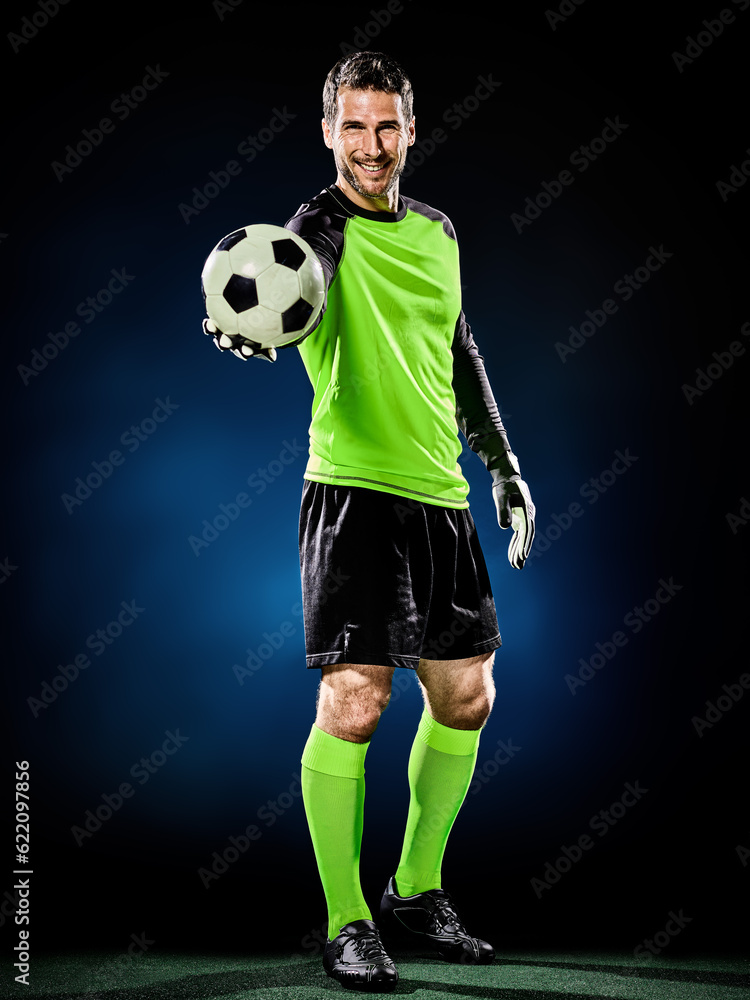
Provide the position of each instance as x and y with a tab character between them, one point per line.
238	346
515	509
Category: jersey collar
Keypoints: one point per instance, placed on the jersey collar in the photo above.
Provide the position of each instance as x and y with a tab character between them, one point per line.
352	209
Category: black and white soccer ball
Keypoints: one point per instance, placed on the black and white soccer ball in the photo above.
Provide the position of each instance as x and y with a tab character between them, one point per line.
263	284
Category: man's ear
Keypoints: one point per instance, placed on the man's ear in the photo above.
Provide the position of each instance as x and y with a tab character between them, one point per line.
327	134
412	132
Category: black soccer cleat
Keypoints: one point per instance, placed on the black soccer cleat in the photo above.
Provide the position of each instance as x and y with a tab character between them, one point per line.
432	915
357	959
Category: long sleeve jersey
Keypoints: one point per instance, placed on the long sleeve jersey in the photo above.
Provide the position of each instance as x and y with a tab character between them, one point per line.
393	364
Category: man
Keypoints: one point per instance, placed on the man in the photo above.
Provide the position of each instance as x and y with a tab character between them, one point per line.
395	371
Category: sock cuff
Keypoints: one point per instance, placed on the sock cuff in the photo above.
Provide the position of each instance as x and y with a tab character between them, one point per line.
331	755
460	742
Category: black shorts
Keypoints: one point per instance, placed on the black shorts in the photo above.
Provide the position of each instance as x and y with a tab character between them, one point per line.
388	580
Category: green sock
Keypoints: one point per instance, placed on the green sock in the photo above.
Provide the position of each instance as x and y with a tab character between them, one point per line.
333	791
440	768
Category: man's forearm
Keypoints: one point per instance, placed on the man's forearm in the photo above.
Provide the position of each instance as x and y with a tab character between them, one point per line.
477	413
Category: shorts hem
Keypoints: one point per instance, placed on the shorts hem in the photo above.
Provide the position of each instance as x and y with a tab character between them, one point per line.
317	660
460	650
407	661
489	644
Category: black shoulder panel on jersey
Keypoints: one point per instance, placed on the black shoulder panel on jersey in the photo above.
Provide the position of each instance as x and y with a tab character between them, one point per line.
431	213
321	223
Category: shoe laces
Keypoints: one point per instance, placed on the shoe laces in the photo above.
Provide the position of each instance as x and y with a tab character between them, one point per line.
444	915
368	945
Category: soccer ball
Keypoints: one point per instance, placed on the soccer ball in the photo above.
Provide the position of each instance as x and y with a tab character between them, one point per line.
264	284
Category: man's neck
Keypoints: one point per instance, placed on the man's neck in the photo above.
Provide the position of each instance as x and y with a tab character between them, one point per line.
388	203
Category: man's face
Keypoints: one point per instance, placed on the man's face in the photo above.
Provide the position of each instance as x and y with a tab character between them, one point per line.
369	141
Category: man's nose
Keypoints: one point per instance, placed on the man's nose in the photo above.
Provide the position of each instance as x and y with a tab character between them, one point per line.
371	144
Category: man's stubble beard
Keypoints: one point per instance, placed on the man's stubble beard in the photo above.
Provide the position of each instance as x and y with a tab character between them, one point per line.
350	177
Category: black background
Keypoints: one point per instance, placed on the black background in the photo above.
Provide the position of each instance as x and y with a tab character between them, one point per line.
229	72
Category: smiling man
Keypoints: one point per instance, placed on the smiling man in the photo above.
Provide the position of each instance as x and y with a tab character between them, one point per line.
369	137
393	576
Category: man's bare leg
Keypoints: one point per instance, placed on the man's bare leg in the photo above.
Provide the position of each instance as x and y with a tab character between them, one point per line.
351	699
458	696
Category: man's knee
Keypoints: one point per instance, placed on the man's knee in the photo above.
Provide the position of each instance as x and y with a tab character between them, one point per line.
474	712
358	720
352	699
460	694
466	709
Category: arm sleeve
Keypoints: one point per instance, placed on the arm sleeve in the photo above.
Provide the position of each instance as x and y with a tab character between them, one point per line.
477	413
317	232
323	231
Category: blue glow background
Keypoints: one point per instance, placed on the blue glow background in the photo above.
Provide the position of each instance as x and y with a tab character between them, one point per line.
173	667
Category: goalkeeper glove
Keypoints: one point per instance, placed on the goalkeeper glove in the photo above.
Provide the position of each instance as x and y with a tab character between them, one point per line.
515	509
238	345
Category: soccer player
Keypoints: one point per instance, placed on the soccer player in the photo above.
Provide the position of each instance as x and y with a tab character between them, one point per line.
392	572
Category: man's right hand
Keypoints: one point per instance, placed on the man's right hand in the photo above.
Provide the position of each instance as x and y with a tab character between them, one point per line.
238	346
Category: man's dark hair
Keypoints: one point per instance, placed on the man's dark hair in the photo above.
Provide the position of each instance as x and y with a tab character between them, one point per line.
367	71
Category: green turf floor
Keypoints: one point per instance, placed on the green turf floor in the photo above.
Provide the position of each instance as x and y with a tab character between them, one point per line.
513	976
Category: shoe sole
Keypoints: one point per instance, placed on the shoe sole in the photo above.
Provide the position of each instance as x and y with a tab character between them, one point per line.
378	986
394	932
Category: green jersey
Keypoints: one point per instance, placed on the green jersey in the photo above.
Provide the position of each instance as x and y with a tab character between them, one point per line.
384	356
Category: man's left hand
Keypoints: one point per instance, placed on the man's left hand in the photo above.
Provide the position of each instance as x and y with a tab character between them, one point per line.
515	509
